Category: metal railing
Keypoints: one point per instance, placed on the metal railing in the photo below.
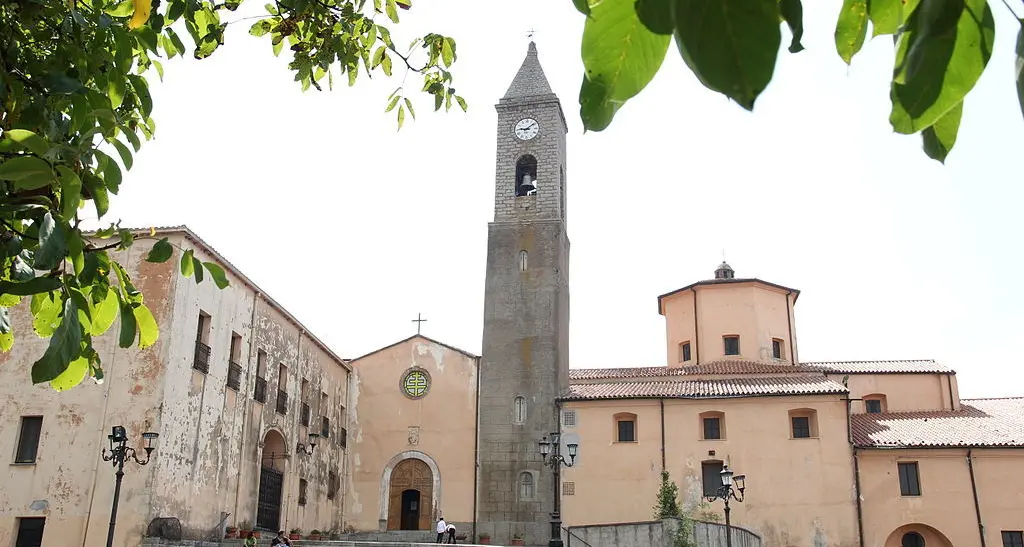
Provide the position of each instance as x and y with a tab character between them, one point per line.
234	375
201	361
282	402
570	536
260	393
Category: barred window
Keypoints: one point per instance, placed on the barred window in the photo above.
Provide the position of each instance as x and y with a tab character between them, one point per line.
568	488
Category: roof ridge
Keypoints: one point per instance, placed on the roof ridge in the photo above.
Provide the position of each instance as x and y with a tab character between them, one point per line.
872	361
1018	398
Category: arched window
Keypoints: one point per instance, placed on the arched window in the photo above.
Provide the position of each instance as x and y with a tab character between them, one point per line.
526	176
912	539
522	261
526	486
519	410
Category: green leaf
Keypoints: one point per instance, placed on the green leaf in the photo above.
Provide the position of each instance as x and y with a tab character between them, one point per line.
596	109
106	312
59	83
656	15
941	136
72	375
36	285
148	331
70	192
187	264
260	28
142	91
161	252
401	116
128	326
852	28
65	346
122	9
582	6
447	52
98	191
27	172
197	269
9	300
28	140
52	244
111	171
132	137
886	16
386	64
1020	66
461	101
620	56
217	273
408	105
116	89
392	10
122	150
940	56
7	341
793	12
45	313
731	46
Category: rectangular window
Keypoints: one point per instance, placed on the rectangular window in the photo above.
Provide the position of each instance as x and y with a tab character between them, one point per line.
732	344
712	475
569	489
259	393
801	427
712	429
303	486
234	369
777	348
684	352
1013	539
627	431
30	532
325	422
874	406
332	485
28	441
569	418
910	480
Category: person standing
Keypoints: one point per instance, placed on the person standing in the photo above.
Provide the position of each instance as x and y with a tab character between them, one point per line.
281	539
442	527
451	533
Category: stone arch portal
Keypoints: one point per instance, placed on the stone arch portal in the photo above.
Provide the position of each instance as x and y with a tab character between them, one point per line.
931	536
410	492
273	460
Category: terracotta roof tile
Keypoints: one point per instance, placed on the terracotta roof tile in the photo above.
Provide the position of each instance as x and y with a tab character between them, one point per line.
915	366
978	423
705	389
713	367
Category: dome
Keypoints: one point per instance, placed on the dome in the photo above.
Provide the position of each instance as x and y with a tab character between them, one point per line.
724	271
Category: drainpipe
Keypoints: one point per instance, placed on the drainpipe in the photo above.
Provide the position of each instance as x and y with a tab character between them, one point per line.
662	404
789	326
856	486
476	450
696	333
974	491
102	434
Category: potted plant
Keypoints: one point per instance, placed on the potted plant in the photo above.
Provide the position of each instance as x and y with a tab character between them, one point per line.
246	530
231	532
517	539
314	535
295	534
485	538
334	535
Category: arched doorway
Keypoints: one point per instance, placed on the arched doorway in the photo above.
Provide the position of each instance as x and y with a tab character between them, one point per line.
917	535
272	462
410	495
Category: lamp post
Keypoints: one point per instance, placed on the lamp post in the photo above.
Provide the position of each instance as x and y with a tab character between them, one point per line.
729	488
550	451
119	452
307	449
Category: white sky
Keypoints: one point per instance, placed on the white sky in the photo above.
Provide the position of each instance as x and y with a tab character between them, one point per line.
356	228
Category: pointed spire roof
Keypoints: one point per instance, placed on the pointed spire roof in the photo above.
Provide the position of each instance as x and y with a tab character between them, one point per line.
530	80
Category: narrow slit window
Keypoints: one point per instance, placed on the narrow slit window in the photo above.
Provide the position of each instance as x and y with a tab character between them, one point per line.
684	352
522	261
519	410
777	349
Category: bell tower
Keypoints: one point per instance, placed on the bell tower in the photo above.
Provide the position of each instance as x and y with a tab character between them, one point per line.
525	361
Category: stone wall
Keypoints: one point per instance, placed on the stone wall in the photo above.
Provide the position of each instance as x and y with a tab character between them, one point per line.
658	533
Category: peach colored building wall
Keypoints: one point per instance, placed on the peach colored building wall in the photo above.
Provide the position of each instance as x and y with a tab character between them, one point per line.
787	479
903	392
945	509
756	312
388	426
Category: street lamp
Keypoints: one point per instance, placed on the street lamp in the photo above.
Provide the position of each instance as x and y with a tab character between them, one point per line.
729	488
119	453
307	449
550	451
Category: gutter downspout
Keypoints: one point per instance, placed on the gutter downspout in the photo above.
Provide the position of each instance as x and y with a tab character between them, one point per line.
789	326
696	333
856	486
662	404
476	450
974	491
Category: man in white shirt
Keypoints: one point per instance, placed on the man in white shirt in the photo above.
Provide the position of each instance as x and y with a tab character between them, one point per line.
442	527
451	533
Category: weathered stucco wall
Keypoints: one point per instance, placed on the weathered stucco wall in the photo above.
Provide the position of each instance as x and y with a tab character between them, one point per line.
388	426
69	484
799	491
903	392
659	533
944	513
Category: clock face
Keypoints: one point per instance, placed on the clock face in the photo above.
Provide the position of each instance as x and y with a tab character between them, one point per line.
527	129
